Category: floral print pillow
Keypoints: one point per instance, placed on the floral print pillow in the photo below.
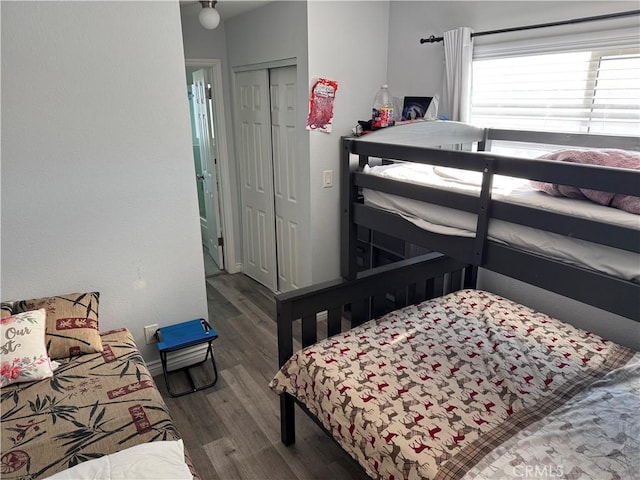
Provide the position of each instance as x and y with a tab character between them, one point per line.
23	354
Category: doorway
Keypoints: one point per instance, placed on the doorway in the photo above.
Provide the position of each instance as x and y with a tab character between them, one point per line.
206	109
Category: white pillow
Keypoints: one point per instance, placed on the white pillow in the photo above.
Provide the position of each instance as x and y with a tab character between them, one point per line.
149	461
23	353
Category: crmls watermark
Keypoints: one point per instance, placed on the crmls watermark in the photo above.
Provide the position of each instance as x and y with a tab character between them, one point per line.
538	471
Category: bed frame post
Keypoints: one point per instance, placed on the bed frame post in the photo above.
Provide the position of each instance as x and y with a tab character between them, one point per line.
285	351
470	277
287	419
348	229
485	144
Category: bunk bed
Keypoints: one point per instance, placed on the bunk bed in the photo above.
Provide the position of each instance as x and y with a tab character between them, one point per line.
449	381
615	232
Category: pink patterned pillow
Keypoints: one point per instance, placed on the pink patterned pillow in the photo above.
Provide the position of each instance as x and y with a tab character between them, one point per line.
23	354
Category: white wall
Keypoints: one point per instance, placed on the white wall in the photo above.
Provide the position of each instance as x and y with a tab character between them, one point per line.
347	43
274	32
261	39
416	69
97	170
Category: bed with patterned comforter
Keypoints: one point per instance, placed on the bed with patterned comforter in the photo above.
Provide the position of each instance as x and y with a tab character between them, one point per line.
472	385
94	405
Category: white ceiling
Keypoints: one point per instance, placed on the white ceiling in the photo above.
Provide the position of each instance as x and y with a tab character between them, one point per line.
227	8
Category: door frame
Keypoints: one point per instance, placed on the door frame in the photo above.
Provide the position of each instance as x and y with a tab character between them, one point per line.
214	66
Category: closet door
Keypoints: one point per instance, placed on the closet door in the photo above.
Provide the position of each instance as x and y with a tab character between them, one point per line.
286	176
253	127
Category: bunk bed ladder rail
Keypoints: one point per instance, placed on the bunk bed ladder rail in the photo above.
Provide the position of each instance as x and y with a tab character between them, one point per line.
482	225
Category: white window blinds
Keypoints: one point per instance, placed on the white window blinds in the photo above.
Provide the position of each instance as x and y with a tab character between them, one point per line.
595	91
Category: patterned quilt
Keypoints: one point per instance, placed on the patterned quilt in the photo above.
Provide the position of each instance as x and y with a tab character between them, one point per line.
94	405
473	385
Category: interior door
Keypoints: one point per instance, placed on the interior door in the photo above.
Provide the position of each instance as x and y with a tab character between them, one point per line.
285	177
210	221
254	145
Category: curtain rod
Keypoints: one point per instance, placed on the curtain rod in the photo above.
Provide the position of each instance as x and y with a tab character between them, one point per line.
434	39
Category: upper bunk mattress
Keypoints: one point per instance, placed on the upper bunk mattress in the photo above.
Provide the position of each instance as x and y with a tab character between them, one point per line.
448	221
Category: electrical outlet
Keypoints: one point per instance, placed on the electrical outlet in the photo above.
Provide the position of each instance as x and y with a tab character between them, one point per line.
150	333
327	178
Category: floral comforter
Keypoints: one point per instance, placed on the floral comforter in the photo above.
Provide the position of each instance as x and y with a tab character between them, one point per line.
473	385
94	405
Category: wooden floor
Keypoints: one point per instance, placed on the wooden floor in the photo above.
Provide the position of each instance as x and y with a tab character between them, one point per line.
232	430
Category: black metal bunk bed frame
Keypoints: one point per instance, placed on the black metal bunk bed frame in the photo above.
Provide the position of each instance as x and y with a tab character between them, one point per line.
534	269
455	266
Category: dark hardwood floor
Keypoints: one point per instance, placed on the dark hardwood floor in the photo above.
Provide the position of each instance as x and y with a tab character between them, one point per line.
232	430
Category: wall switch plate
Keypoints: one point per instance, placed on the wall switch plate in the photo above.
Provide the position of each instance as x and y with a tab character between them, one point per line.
327	178
150	333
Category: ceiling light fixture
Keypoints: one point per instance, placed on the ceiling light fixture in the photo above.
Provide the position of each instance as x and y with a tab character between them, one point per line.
209	16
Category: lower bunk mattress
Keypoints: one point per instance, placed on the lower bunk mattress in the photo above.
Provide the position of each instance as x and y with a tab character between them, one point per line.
472	385
448	221
94	406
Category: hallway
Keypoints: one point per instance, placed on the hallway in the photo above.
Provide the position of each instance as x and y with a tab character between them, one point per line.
210	267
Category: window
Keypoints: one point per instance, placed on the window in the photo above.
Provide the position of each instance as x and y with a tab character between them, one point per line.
579	91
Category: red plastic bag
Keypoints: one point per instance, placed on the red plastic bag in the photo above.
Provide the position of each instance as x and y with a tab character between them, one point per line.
321	100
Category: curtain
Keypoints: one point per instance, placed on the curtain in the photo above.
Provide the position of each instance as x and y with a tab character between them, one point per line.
458	56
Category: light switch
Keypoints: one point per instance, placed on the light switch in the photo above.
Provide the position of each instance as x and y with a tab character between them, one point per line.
327	178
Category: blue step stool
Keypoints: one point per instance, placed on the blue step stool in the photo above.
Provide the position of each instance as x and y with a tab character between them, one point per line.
184	335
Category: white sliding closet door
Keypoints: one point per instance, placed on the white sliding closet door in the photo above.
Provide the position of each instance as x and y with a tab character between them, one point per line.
267	144
286	176
253	127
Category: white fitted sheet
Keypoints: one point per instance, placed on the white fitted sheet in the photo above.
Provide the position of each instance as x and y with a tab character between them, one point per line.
448	221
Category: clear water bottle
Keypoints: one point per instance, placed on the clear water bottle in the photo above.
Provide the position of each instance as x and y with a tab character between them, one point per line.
382	112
